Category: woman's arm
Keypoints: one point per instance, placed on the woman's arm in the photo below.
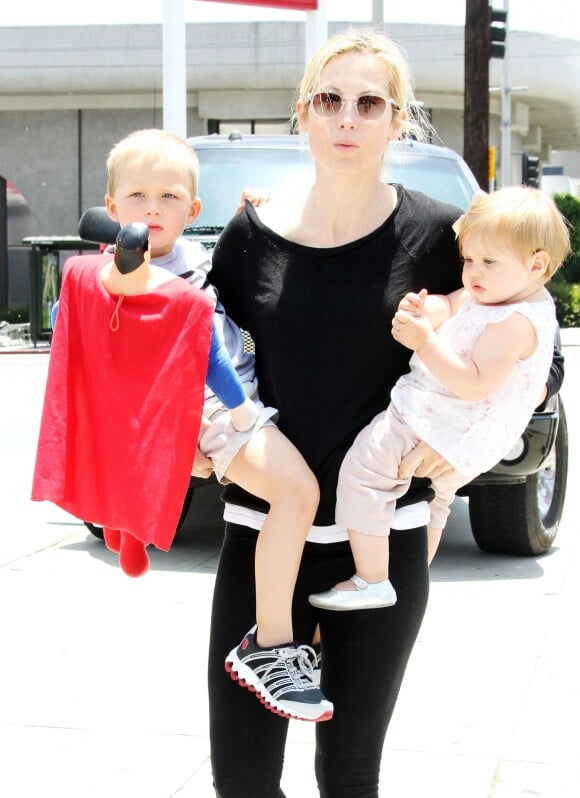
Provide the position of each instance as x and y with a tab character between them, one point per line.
556	375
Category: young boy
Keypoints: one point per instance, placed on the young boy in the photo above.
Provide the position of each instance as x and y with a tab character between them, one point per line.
152	179
473	384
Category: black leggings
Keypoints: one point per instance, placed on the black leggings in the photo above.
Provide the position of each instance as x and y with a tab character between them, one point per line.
364	655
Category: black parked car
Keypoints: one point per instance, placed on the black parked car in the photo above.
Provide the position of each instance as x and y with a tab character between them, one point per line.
516	507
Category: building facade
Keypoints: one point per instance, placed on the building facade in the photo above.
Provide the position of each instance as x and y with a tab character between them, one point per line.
67	94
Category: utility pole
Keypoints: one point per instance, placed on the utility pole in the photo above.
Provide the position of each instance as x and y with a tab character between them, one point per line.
506	113
476	90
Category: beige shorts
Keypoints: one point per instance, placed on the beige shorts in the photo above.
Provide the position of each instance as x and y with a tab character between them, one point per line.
369	485
220	441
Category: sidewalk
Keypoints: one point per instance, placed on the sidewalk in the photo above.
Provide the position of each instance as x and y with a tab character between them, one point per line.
103	683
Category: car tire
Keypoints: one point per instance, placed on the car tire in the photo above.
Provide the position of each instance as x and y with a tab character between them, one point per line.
523	519
96	530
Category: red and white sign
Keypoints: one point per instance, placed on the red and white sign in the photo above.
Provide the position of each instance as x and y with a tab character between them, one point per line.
293	5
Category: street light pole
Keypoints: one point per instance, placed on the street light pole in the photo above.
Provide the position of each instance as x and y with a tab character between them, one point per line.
174	68
316	30
378	14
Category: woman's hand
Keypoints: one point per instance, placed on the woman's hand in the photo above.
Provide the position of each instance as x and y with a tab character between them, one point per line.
202	466
423	461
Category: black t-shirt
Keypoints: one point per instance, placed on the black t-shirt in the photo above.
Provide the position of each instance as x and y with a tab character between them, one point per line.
321	322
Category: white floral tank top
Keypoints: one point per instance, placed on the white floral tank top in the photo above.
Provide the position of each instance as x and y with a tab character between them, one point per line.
474	435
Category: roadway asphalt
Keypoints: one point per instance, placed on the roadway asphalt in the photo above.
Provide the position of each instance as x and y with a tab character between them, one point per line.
102	678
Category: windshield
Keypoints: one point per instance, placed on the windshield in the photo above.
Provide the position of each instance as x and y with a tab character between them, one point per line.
225	172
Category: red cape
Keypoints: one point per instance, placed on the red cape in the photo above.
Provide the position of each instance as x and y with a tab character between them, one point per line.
122	409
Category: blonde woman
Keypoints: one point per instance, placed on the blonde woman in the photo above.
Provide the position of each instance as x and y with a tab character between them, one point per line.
316	279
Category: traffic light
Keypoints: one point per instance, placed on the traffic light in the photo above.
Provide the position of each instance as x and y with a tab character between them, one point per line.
530	170
497	32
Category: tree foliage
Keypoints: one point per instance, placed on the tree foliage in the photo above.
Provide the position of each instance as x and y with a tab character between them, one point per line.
565	285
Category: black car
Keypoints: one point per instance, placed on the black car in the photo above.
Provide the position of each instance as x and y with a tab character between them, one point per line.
516	507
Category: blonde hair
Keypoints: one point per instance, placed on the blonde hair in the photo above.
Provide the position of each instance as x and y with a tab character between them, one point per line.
521	219
398	80
153	146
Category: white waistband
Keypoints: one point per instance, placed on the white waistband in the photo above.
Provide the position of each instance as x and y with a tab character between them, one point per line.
409	517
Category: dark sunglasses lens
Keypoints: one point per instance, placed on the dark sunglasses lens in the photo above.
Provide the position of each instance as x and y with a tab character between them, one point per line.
327	103
371	106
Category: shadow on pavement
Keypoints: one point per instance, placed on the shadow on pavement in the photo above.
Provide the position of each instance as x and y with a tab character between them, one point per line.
459	559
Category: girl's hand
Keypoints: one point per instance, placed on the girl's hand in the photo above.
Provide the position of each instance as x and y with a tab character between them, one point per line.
410	330
414	303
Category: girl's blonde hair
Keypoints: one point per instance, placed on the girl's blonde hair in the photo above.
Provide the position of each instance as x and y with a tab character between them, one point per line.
521	219
153	146
398	80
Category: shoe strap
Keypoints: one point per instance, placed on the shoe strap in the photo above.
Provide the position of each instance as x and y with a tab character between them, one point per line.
359	582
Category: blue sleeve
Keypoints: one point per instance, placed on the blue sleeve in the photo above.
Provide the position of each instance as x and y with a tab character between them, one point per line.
222	377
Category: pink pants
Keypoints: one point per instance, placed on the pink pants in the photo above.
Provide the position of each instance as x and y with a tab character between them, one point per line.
369	485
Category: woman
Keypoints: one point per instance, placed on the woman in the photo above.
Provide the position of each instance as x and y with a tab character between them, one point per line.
317	282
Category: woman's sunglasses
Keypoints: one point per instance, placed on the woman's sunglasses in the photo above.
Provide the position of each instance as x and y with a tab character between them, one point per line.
368	106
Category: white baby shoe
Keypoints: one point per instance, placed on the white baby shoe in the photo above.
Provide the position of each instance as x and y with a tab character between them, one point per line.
367	596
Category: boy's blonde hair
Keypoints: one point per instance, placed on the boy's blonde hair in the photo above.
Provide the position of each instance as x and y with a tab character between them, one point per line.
153	146
398	80
521	219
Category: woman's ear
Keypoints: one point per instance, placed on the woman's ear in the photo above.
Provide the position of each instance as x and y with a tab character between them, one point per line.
397	124
302	117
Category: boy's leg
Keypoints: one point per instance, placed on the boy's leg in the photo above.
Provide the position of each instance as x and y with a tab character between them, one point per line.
270	467
267	661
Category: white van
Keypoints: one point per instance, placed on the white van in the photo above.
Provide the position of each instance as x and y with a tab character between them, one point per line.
558	184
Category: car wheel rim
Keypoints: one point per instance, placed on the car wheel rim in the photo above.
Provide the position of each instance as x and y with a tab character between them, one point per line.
546	486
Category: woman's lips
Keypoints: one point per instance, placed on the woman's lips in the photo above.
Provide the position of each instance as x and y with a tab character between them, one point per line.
345	145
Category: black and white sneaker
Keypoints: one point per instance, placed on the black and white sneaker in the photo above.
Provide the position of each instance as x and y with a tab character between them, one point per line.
282	678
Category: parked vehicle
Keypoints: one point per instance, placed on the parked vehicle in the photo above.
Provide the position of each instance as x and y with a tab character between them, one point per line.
516	507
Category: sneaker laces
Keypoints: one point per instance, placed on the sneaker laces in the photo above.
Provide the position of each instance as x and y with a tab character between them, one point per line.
298	664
